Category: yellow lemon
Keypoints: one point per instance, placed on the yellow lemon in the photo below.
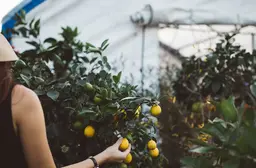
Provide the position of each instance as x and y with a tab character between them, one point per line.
154	152
89	131
155	110
128	159
124	145
151	145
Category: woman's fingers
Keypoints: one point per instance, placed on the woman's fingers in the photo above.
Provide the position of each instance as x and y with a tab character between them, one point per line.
127	151
118	142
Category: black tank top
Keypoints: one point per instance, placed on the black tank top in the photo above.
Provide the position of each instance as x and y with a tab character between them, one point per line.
11	153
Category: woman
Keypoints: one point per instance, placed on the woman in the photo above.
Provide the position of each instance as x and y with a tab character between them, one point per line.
23	142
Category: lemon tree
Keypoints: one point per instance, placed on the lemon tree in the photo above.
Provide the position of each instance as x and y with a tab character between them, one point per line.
86	106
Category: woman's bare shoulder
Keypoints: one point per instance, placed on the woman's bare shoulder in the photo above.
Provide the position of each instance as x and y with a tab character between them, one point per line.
24	100
22	95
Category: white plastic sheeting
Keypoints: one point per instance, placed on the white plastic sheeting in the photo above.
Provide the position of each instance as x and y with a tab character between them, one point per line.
98	20
204	12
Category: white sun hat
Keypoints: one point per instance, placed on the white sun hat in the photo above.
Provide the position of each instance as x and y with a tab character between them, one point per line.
6	51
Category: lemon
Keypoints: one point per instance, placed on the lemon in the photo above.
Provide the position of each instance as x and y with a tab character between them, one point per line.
97	100
128	159
154	153
124	145
155	110
88	86
151	145
78	125
123	165
197	107
89	131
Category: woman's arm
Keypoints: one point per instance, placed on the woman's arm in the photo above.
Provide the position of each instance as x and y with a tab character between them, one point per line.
29	118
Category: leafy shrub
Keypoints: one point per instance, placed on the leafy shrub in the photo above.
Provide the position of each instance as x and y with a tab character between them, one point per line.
207	90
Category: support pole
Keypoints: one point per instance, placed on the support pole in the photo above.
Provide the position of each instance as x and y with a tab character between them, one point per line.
253	41
142	59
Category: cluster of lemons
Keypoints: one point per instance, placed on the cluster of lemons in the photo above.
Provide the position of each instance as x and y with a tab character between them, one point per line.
152	147
89	132
124	146
155	110
153	150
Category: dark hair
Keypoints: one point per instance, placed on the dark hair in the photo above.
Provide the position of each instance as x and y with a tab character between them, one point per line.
6	80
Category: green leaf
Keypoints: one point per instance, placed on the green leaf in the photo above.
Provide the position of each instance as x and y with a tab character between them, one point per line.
39	80
103	74
33	32
228	109
104	43
25	79
88	45
37	24
84	113
104	48
93	60
204	149
33	43
105	59
253	89
215	132
108	66
117	78
31	23
233	163
128	98
23	31
85	59
50	40
95	50
53	94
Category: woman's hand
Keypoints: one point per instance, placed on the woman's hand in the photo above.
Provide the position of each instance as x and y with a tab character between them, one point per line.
114	154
